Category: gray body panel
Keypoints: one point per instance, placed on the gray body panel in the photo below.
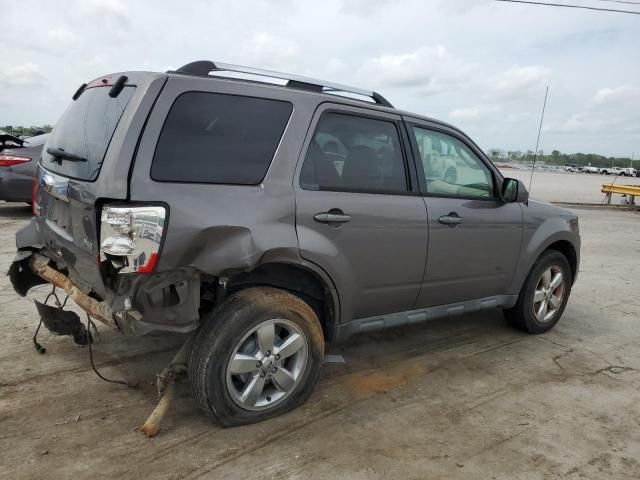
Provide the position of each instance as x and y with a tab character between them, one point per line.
67	207
475	259
222	228
377	259
393	263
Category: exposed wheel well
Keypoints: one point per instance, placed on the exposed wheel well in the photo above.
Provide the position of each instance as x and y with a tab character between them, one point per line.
296	280
569	252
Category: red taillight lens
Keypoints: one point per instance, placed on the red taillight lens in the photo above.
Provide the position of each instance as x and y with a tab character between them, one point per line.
150	266
7	160
34	197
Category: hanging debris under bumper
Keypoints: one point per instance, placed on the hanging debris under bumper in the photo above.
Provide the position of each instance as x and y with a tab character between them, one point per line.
166	301
98	310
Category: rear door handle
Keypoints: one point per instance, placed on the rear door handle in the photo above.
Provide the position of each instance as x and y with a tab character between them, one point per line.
332	216
451	219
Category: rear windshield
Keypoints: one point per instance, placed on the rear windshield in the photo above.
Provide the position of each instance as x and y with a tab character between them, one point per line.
219	138
85	129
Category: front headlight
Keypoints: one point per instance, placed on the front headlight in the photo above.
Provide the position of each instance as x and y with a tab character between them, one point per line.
130	237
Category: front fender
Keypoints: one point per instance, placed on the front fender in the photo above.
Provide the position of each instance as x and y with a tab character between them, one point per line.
542	230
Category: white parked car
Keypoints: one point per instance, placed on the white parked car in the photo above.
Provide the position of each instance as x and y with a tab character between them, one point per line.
612	171
629	172
590	169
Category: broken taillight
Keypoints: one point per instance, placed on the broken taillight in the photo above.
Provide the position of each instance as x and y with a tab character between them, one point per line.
130	237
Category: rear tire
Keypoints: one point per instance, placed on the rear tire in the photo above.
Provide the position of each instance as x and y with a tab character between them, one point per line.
257	355
541	301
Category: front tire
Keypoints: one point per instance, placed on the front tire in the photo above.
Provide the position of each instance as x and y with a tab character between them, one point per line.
544	294
258	355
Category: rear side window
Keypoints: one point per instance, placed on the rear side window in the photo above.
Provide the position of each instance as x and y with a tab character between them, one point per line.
355	154
85	129
218	138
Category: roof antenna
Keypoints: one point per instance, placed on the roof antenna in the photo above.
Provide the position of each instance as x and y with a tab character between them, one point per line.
535	156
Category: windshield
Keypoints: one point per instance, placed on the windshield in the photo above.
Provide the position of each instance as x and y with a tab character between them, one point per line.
85	130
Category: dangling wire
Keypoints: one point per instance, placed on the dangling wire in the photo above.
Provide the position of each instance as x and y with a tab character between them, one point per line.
55	295
89	341
65	301
39	348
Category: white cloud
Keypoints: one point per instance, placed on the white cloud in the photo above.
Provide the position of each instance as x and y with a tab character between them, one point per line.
61	37
618	95
269	51
472	114
364	7
479	63
518	81
109	13
428	70
606	113
21	75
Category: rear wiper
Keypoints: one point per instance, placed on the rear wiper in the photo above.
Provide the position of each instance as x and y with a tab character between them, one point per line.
59	154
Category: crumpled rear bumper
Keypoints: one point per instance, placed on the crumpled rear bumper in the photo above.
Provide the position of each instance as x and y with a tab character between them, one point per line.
167	301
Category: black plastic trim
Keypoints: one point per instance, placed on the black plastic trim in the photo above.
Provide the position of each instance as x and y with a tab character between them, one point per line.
118	86
200	68
79	92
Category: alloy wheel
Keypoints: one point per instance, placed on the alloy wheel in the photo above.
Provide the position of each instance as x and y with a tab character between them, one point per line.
548	294
267	364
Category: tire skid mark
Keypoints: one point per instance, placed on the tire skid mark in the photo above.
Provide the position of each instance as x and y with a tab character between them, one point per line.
199	472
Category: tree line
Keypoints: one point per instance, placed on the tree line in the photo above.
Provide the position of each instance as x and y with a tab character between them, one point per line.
560	159
26	131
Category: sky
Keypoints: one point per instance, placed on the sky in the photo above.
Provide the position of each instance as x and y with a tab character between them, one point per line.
479	64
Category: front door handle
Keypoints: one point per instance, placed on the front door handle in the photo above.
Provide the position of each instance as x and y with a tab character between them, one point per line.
332	216
452	219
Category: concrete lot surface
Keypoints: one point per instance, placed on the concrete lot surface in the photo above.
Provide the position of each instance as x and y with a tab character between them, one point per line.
569	187
460	398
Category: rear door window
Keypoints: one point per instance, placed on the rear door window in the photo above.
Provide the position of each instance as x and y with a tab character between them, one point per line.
356	154
219	138
85	129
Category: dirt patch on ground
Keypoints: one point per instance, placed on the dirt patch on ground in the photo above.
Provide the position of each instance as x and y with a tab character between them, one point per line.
383	381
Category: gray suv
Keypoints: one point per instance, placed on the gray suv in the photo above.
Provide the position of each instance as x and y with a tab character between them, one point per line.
270	214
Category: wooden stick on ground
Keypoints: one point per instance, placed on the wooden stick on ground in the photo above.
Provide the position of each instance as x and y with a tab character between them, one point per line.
152	426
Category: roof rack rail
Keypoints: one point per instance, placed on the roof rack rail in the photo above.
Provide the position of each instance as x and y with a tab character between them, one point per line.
205	67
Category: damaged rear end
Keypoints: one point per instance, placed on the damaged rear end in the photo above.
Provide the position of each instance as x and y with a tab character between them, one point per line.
87	237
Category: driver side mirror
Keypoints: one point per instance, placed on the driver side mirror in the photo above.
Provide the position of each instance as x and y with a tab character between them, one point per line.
514	191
